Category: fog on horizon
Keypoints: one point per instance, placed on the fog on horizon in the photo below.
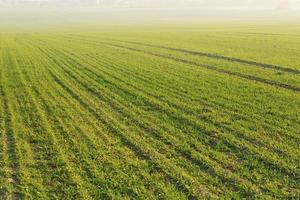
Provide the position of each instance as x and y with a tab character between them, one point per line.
231	4
41	12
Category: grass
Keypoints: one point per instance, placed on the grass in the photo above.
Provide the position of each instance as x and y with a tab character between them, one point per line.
160	113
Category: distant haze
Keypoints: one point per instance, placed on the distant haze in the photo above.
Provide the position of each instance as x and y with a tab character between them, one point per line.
250	4
26	13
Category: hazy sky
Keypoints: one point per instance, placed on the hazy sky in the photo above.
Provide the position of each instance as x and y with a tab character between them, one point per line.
20	12
243	4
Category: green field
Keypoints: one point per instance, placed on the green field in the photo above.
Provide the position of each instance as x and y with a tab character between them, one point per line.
177	112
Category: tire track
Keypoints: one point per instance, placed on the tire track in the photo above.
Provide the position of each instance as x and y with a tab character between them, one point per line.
239	75
215	56
221	57
209	67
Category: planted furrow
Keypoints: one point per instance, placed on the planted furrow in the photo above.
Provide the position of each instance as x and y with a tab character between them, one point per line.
256	139
43	142
131	145
24	161
127	142
119	115
64	136
186	107
3	155
96	156
110	82
292	138
13	169
11	144
284	129
156	134
169	94
232	109
3	152
69	135
120	132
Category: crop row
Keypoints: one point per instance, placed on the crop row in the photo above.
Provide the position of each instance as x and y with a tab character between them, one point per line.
89	121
